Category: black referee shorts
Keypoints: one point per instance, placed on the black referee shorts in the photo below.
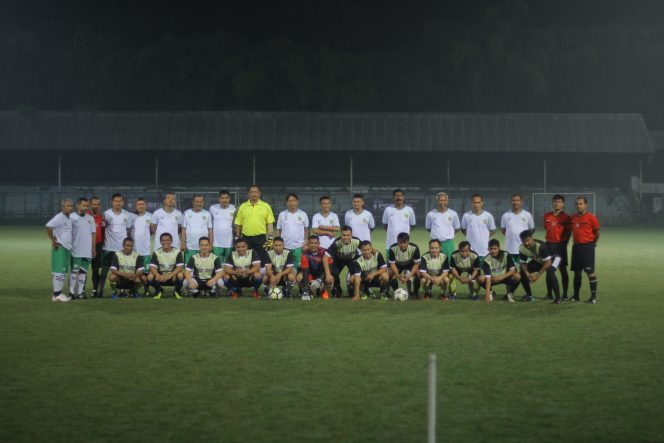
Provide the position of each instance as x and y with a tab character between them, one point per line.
256	243
583	257
559	249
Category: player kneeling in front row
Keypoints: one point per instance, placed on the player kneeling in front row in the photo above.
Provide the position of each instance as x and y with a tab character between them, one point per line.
465	267
166	267
434	269
126	271
203	274
342	251
369	270
499	269
404	259
279	268
536	259
243	270
311	275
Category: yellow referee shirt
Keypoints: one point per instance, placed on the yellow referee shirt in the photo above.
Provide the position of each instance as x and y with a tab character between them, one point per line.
253	218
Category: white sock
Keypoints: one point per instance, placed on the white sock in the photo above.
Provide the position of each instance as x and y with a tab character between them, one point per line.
220	283
58	283
82	277
73	278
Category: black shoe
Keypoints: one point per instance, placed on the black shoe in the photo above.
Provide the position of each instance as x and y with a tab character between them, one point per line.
574	299
565	298
73	296
94	293
592	300
81	296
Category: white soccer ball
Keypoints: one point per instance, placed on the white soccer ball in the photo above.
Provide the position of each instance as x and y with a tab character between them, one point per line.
401	294
276	293
316	284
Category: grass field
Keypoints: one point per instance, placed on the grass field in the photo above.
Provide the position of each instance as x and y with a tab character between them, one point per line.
246	370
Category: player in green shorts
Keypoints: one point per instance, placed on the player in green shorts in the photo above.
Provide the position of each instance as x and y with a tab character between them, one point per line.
83	247
59	231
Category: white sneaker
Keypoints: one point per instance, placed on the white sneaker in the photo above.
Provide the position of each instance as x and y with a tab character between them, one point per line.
61	297
510	297
306	296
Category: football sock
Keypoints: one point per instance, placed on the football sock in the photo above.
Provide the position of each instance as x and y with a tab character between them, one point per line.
102	280
394	283
82	277
416	285
58	284
512	285
73	279
577	284
95	279
552	282
564	277
526	285
257	283
593	287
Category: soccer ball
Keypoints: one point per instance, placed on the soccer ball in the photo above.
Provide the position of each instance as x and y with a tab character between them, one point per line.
276	293
316	284
401	294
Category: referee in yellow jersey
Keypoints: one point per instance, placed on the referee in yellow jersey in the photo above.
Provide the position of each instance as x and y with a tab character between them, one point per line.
253	222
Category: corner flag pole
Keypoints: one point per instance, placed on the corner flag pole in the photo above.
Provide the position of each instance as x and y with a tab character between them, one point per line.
431	409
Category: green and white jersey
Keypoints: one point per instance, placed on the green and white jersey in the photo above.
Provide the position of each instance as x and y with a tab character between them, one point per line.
280	261
434	265
467	264
499	265
331	219
115	229
168	222
197	225
204	267
338	250
222	225
140	232
122	262
83	227
404	259
539	253
62	229
364	266
166	261
237	261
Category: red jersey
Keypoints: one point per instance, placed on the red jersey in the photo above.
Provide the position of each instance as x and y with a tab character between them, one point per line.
583	227
556	226
314	262
99	219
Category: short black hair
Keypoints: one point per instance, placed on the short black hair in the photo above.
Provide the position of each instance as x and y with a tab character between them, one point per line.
434	240
396	191
140	199
278	238
403	236
325	197
360	196
516	194
346	228
292	194
581	197
116	195
81	200
364	243
126	239
240	240
494	242
314	237
94	197
224	192
204	238
165	234
254	186
558	197
463	244
476	195
525	234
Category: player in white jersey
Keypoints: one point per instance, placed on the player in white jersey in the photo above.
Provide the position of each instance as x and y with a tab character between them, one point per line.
359	219
84	234
443	223
117	223
478	226
513	223
59	230
397	218
167	219
293	227
196	223
140	233
325	224
223	214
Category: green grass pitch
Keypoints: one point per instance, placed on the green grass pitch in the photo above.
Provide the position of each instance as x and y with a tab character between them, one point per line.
246	370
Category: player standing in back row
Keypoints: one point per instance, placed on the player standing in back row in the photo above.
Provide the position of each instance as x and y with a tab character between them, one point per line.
293	227
117	223
196	224
585	233
222	226
59	231
478	226
556	225
96	213
397	218
254	221
513	223
359	219
167	219
325	224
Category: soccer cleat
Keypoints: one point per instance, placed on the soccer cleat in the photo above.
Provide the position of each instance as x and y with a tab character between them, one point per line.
510	297
475	297
325	295
306	296
556	301
548	297
255	294
592	300
115	296
452	297
528	298
177	295
565	298
574	299
135	294
94	293
287	293
157	296
81	296
443	298
233	294
60	298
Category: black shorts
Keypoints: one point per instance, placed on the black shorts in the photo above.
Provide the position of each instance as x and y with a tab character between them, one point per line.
374	283
96	261
533	266
559	249
125	283
256	243
243	282
402	269
509	281
583	257
338	266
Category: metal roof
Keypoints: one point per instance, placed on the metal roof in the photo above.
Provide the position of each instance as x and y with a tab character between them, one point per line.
314	131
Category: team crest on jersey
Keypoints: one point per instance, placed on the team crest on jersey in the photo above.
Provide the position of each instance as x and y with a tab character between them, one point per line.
299	218
364	220
523	219
177	218
485	221
405	216
449	219
205	217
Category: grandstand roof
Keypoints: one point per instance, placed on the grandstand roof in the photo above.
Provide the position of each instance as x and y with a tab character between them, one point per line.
315	131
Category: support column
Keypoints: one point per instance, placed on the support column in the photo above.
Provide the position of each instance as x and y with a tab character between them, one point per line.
351	175
253	168
156	173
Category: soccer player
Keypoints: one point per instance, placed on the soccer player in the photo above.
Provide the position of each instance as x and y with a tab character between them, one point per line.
397	218
325	224
513	223
96	213
369	270
222	225
117	225
499	269
204	272
312	270
404	263
293	227
167	219
127	270
279	268
254	221
556	225
84	234
465	268
140	233
434	268
536	259
585	234
442	223
478	226
196	223
59	231
242	270
166	267
359	219
342	251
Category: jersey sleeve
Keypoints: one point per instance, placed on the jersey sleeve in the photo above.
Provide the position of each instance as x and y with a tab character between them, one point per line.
191	265
114	262
455	221
154	261
270	215
492	223
209	221
503	221
452	263
306	220
332	250
476	263
315	221
391	257
522	257
486	269
355	268
510	262
531	222
280	221
347	218
464	222
372	222
185	223
290	260
423	266
54	222
255	258
385	217
154	219
128	221
594	223
179	260
304	262
446	265
229	261
411	217
417	258
428	221
217	265
381	261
